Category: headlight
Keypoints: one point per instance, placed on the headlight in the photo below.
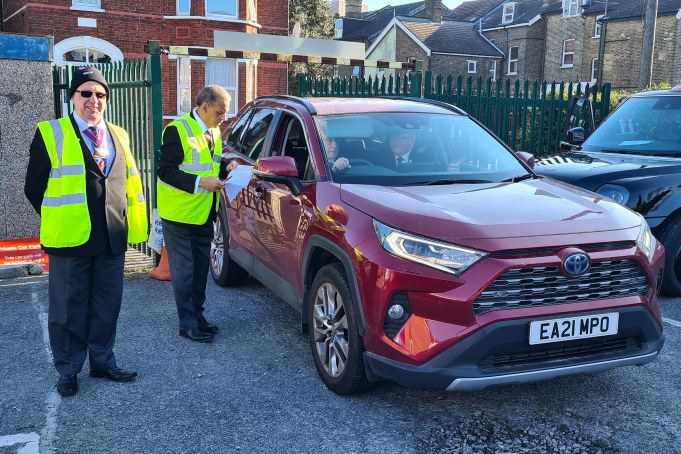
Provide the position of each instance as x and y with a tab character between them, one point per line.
646	240
619	194
444	257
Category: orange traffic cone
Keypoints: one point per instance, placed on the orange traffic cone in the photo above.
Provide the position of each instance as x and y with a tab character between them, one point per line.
162	271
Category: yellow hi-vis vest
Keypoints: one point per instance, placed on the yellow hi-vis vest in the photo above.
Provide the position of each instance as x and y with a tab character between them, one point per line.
65	220
180	206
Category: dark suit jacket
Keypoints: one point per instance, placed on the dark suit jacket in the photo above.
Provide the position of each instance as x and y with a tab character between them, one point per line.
172	155
384	157
106	197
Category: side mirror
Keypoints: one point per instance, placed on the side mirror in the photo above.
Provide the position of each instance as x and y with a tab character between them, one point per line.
279	169
528	158
576	136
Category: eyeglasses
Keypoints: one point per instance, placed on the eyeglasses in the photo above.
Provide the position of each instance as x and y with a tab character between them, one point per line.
88	94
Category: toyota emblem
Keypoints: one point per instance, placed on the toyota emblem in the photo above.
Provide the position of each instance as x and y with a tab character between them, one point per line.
577	264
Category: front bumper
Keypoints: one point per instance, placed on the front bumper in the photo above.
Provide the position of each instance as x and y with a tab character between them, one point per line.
500	354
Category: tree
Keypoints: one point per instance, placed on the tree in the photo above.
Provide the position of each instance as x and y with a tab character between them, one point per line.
316	21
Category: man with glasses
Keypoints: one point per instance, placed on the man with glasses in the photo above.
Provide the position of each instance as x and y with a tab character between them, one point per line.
190	176
83	182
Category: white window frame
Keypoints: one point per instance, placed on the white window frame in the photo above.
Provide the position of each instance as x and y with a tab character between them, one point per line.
565	54
511	61
251	80
594	70
87	5
179	8
232	89
598	26
508	16
87	42
236	10
570	8
187	84
492	70
474	68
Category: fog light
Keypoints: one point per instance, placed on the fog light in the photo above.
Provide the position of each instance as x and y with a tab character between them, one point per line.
396	312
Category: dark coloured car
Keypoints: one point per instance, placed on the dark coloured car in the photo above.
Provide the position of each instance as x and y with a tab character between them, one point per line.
634	158
420	249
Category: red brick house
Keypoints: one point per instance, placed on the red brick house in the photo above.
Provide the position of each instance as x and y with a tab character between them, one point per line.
98	31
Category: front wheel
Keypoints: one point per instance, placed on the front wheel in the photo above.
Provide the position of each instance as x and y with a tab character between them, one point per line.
225	271
336	345
670	237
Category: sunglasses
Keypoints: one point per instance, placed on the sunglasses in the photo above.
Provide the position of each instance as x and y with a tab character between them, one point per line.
88	94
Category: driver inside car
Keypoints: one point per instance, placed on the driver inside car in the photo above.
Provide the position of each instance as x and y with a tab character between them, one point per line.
338	164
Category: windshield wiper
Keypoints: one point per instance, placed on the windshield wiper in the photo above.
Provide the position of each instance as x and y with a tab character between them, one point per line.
444	181
518	178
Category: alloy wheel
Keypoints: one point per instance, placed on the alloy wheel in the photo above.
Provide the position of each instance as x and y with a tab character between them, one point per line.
330	329
217	249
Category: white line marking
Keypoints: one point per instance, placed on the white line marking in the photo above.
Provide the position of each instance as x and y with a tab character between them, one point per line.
29	440
52	401
671	322
37	281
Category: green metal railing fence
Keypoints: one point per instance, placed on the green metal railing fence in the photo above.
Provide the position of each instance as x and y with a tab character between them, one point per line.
528	116
135	105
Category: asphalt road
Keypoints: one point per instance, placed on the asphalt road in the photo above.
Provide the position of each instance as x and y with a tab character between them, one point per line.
255	389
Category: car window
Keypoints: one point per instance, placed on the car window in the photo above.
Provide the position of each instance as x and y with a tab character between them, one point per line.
405	148
256	133
233	142
641	125
295	145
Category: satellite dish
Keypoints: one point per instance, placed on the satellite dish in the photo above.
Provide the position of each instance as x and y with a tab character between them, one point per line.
296	30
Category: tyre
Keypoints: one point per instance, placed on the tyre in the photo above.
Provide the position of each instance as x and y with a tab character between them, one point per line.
336	345
225	271
670	237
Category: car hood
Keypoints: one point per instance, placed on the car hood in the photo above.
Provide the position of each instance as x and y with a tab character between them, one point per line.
531	208
590	170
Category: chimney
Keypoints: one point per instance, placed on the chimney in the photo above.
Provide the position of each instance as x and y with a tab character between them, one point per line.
353	9
434	9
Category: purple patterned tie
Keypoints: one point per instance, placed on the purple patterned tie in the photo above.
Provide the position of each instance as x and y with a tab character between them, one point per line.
96	136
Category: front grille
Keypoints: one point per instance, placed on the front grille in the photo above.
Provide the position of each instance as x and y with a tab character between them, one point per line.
596	247
581	351
546	286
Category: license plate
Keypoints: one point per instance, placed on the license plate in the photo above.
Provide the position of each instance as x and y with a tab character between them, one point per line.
565	329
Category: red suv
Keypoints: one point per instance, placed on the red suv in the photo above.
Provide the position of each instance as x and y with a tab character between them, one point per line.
420	249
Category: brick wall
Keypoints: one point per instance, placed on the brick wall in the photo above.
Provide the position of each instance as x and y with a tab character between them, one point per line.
530	42
458	65
129	26
624	46
560	29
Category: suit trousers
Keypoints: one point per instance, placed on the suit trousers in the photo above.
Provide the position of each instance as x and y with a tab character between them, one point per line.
85	296
188	248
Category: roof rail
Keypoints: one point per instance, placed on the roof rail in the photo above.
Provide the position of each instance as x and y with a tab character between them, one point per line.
433	102
307	104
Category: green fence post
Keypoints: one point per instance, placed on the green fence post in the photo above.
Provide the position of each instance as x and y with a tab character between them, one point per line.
416	80
156	102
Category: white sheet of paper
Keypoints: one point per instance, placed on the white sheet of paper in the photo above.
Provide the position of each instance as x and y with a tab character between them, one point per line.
237	180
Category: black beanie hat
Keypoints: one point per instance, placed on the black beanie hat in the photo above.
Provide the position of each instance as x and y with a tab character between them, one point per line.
85	74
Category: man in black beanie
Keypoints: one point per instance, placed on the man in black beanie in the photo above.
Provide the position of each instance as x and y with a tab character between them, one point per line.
83	182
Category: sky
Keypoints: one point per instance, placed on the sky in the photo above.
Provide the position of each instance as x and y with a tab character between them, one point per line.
377	4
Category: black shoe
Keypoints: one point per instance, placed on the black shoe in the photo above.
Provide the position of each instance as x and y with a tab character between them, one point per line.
67	385
208	328
196	335
114	374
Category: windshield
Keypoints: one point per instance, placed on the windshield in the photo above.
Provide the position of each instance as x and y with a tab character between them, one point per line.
645	126
394	149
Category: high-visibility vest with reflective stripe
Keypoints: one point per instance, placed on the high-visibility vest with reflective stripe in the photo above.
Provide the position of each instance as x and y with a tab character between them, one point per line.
138	221
180	206
65	219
